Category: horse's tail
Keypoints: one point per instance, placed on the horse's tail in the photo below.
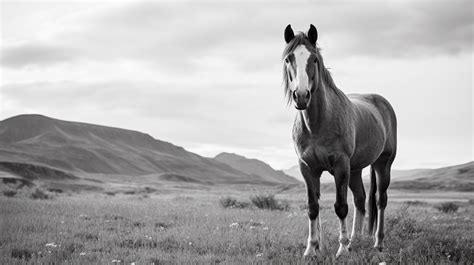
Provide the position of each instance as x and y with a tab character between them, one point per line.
372	202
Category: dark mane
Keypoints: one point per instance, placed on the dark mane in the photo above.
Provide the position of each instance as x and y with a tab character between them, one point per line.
302	39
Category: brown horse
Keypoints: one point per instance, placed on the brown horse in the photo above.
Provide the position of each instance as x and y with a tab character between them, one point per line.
340	134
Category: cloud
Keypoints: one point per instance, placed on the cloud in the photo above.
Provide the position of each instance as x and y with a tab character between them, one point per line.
208	76
174	36
34	53
212	114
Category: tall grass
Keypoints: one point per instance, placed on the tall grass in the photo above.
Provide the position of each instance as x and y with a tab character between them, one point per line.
9	193
102	229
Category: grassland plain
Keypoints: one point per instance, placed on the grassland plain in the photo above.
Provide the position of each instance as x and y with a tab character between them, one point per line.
192	227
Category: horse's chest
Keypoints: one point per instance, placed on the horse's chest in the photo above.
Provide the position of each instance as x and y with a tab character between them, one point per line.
318	151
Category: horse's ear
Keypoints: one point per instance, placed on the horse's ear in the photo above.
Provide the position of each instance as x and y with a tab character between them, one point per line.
289	35
312	34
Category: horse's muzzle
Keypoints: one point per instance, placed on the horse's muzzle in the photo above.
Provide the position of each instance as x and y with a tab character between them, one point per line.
301	99
300	108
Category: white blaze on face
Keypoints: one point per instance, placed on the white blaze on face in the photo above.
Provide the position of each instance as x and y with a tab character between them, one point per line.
301	60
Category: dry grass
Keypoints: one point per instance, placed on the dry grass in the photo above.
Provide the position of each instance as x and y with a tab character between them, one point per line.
97	228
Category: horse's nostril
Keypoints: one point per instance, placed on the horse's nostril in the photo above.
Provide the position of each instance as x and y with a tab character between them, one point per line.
294	95
307	94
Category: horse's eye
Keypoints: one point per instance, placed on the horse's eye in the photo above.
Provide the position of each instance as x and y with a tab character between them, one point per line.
287	61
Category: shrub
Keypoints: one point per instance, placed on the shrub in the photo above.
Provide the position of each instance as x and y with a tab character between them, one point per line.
66	251
85	236
447	207
21	254
163	225
414	203
9	193
55	190
39	194
136	243
269	202
229	202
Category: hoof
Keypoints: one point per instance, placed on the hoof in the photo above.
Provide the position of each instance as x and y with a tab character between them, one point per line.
311	250
354	243
378	247
342	250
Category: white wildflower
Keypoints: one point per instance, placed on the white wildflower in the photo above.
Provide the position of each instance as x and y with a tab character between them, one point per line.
52	244
234	224
259	255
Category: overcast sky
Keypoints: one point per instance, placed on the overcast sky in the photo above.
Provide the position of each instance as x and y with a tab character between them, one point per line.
207	76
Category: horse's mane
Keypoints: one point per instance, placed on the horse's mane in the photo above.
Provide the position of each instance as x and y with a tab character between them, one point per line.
302	39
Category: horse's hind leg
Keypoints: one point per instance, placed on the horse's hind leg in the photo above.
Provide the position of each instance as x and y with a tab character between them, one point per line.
341	177
358	194
382	169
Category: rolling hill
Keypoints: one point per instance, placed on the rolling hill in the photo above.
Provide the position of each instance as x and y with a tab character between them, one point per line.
256	167
295	172
35	143
455	178
35	147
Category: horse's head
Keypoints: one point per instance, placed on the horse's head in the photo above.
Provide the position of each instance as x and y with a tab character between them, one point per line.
300	69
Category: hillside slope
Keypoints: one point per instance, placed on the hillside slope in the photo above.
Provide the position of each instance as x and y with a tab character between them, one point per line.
295	172
256	167
457	178
87	148
454	178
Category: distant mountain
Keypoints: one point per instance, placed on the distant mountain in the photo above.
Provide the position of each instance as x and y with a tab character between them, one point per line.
256	167
295	172
456	178
80	149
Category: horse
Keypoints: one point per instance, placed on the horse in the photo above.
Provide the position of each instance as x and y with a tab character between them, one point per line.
341	134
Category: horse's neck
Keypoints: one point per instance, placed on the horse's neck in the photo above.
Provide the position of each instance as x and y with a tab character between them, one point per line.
325	105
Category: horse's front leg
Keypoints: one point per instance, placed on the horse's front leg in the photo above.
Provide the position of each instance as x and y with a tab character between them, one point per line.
312	178
341	176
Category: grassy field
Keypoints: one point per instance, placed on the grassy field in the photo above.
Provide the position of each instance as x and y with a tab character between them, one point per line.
192	226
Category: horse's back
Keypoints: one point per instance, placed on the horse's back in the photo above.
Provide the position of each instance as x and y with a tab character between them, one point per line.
382	111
